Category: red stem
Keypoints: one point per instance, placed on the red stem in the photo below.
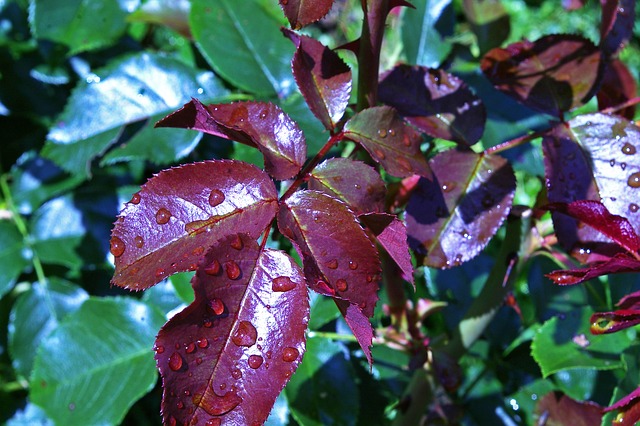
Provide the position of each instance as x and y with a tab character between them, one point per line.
630	102
515	142
375	15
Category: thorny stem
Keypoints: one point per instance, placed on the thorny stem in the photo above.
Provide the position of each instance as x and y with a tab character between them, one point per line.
375	15
630	102
521	140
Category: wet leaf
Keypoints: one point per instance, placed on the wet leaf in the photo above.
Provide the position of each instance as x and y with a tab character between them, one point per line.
111	340
489	22
301	13
610	322
227	356
619	263
389	141
618	86
259	124
359	324
169	223
451	218
553	74
12	260
353	182
436	102
616	28
322	77
629	409
561	410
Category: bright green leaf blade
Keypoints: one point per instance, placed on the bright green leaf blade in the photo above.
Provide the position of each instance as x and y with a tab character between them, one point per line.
243	43
110	366
36	313
423	32
12	261
322	390
567	343
80	24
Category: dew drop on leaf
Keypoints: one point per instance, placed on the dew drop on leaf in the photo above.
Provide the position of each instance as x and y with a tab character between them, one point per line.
214	422
245	335
236	243
634	180
382	133
633	207
207	323
117	246
255	361
191	347
216	306
159	349
353	265
332	264
175	361
213	268
392	132
198	361
236	373
290	354
138	241
135	199
282	284
623	166
217	405
232	269
341	285
448	186
198	251
216	197
239	114
162	216
202	343
180	405
379	154
160	273
323	287
628	149
612	162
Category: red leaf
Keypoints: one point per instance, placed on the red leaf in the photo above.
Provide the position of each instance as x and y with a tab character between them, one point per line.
391	233
452	218
561	410
618	86
353	182
436	102
610	322
169	223
359	324
389	141
618	17
339	259
618	264
227	365
630	301
596	215
259	124
629	409
303	12
322	77
554	74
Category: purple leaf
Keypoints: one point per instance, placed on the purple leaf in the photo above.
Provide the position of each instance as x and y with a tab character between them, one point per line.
359	324
453	217
322	77
629	409
630	301
389	141
618	18
618	264
596	215
301	13
259	124
436	102
169	223
391	233
353	182
610	322
553	74
225	358
562	410
618	86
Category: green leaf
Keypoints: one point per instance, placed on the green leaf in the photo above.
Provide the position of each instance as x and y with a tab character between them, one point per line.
80	24
12	260
97	362
243	43
565	342
36	313
323	311
322	390
423	30
139	87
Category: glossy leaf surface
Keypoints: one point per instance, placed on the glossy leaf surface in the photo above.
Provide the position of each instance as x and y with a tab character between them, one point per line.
112	340
451	218
259	124
11	259
322	77
553	74
618	86
560	410
436	102
424	32
610	322
629	406
301	13
168	224
226	357
616	28
353	182
389	141
619	263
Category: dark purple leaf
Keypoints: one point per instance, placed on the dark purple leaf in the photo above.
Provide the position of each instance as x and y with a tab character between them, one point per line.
489	22
561	410
596	215
618	264
389	141
618	86
359	324
169	223
391	234
259	124
353	182
629	409
554	74
322	77
630	301
453	217
226	357
618	17
436	102
300	13
610	322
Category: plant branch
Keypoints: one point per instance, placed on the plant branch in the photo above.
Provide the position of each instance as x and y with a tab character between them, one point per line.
521	140
630	102
375	15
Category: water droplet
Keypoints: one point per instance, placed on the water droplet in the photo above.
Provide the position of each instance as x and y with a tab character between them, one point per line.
198	251
323	287
634	180
633	207
117	246
357	186
612	162
282	284
448	186
332	264
382	133
623	166
198	361
341	285
628	149
214	422
138	241
353	265
135	198
203	343
465	234
392	132
232	269
236	242
213	268
403	163
191	347
162	216
159	349
379	154
175	361
207	323
269	354
239	114
255	361
216	306
180	405
216	405
406	141
245	335
160	273
216	197
236	374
